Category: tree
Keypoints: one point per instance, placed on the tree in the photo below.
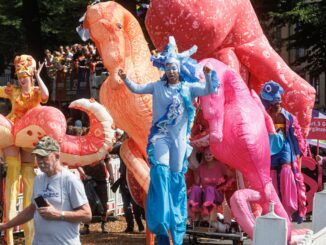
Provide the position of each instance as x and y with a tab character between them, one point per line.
59	21
32	26
12	36
309	22
29	26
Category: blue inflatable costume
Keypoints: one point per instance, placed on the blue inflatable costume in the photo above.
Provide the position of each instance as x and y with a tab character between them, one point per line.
168	143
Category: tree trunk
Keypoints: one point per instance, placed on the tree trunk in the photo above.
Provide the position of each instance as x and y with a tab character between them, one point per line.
32	26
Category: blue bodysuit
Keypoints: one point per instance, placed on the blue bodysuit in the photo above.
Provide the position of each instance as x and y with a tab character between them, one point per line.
168	150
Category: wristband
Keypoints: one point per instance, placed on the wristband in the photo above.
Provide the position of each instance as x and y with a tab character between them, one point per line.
62	216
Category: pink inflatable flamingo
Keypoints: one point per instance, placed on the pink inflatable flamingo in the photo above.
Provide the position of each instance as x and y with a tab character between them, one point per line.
239	137
230	31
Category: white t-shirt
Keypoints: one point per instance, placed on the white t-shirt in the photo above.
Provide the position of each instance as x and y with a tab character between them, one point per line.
65	192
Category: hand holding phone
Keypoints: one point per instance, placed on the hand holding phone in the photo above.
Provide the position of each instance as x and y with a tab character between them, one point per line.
41	202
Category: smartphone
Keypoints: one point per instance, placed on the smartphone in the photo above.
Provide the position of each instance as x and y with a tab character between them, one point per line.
40	201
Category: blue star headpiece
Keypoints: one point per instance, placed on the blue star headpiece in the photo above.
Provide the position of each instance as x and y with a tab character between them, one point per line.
187	66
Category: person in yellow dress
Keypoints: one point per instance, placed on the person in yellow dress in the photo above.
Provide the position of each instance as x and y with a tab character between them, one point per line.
23	97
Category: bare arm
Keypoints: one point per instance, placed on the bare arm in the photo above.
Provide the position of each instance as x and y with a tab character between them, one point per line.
193	162
24	216
197	178
82	172
110	170
80	214
41	84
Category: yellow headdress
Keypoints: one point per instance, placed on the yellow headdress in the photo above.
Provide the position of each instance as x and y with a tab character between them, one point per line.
24	65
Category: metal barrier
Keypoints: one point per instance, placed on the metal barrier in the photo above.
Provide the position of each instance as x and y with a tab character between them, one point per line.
115	204
271	222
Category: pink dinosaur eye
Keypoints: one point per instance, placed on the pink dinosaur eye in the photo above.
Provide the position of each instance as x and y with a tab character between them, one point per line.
268	88
119	25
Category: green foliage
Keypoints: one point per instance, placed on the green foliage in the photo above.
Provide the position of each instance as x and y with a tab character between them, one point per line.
11	38
309	21
58	18
59	21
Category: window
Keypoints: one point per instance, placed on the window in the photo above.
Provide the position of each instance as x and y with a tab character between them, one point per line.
315	82
300	52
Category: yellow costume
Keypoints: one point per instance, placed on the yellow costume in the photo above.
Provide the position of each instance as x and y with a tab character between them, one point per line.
21	102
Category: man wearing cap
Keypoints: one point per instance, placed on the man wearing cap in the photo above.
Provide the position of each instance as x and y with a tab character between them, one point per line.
64	194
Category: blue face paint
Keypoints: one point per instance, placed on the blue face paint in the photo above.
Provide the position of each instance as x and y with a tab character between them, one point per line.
278	101
172	68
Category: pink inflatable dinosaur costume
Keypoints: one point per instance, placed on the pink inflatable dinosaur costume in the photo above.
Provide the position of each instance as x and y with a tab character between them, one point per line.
230	31
75	150
238	130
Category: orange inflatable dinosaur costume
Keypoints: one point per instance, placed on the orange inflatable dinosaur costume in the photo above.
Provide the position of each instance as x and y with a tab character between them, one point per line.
121	44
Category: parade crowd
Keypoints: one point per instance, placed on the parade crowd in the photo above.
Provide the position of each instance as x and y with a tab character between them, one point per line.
76	68
59	201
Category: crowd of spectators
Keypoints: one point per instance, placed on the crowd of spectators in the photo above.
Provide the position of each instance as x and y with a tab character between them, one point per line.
74	72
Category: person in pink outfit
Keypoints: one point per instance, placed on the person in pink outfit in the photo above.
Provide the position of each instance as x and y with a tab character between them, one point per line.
204	194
